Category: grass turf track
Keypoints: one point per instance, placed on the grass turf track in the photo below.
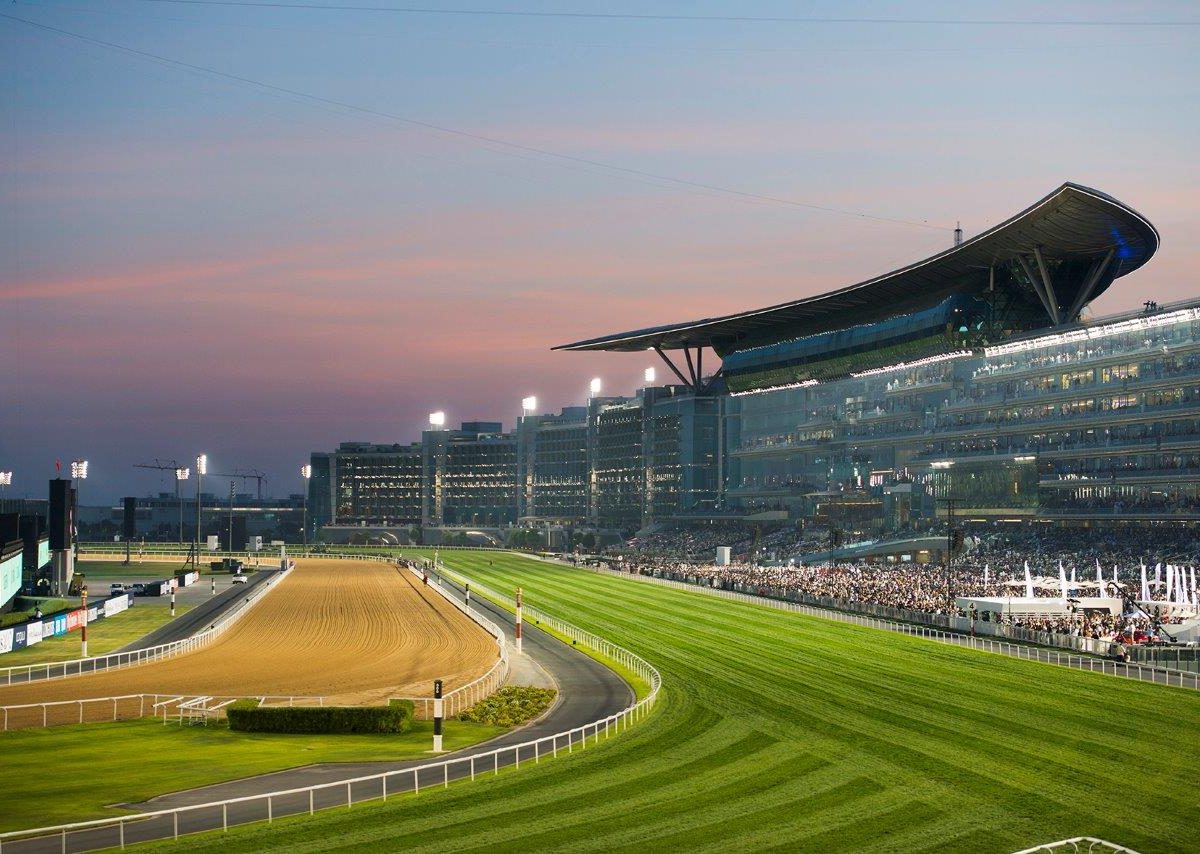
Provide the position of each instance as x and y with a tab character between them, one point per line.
778	731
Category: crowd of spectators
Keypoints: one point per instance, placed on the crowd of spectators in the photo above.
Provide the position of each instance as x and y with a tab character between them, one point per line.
992	565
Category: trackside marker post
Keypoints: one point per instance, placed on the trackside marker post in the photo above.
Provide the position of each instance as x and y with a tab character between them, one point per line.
83	628
468	601
518	620
172	601
437	715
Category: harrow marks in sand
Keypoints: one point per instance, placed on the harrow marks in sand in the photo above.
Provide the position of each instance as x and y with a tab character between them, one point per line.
352	632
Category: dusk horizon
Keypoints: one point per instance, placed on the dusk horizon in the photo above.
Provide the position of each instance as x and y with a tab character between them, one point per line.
200	265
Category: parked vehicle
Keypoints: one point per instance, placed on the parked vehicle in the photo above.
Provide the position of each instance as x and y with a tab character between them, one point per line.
116	589
240	579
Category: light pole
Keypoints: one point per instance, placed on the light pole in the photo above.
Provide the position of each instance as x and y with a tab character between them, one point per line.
230	517
528	407
180	476
5	483
306	474
79	471
201	470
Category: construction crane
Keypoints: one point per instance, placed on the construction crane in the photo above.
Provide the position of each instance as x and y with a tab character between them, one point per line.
245	475
180	474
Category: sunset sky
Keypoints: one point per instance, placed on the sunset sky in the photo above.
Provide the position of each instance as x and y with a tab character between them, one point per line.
193	262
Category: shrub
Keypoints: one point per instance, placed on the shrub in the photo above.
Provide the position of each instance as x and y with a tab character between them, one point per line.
249	716
510	706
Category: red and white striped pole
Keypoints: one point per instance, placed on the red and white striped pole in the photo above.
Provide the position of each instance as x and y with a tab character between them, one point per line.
518	619
437	715
83	628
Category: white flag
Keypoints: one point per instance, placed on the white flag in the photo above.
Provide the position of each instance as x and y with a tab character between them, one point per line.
1145	585
1062	580
985	576
1028	582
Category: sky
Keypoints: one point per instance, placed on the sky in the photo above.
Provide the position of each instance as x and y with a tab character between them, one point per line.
260	231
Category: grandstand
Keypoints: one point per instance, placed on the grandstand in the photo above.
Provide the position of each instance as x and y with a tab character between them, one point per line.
975	374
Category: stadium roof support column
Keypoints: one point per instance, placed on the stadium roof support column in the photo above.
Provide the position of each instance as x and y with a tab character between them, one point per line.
1089	286
1050	295
1037	285
687	354
671	365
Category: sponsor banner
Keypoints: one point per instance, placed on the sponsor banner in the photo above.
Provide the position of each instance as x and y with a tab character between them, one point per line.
33	633
188	578
6	640
74	619
115	605
94	613
20	637
57	626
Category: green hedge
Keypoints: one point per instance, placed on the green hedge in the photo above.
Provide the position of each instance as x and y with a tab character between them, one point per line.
249	716
510	706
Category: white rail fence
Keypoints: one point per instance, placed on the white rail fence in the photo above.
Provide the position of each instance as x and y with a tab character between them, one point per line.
118	708
1130	670
466	696
1077	844
118	831
118	660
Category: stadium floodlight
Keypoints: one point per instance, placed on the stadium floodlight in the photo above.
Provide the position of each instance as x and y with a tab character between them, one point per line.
182	474
595	386
649	376
437	419
5	478
306	473
79	469
201	471
529	404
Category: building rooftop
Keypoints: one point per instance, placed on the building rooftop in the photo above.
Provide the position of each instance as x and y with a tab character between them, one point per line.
1055	256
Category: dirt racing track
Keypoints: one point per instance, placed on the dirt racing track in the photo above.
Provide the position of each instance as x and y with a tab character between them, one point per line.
351	632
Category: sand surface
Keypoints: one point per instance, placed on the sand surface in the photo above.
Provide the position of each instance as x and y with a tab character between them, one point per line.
350	631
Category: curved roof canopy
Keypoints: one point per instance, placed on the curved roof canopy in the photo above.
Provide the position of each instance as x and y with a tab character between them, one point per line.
1061	252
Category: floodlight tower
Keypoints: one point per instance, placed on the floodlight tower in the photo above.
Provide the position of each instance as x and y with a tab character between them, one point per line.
181	474
520	480
79	472
5	483
201	470
306	475
595	386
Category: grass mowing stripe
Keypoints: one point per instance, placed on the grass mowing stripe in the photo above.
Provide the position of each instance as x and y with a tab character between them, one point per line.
957	746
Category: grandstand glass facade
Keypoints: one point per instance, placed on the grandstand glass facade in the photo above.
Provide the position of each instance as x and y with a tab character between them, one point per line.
1055	426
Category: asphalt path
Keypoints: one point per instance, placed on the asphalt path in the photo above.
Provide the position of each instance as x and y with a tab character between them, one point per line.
587	691
203	615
